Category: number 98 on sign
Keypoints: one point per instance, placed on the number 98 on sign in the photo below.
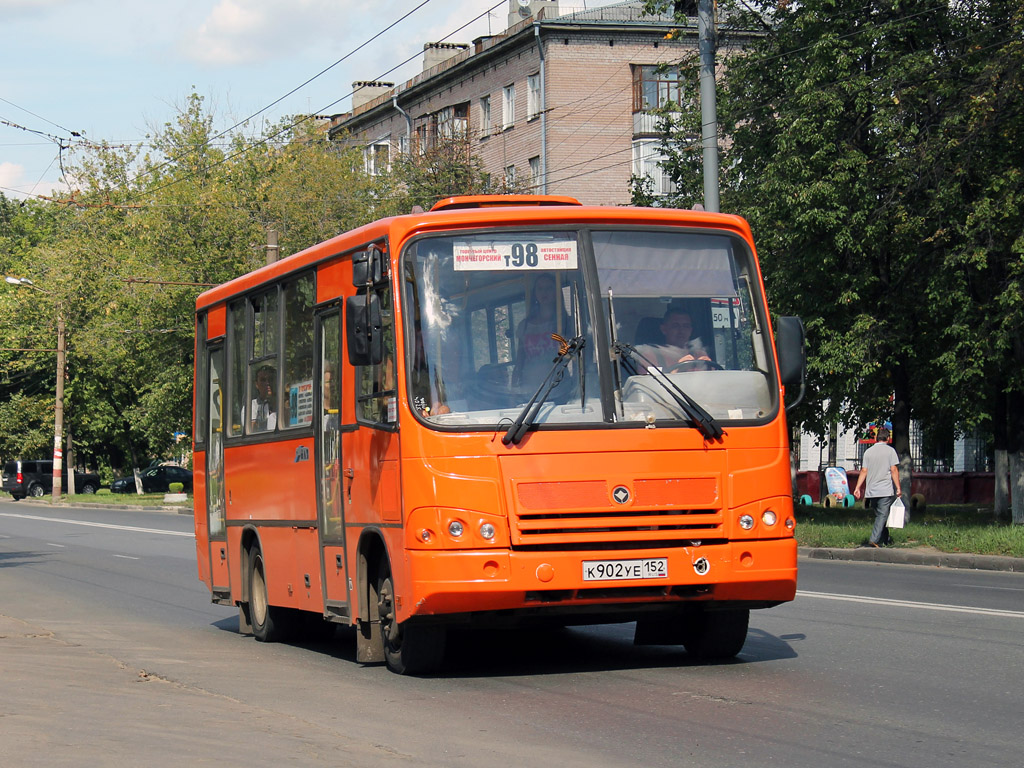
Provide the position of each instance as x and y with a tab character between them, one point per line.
514	255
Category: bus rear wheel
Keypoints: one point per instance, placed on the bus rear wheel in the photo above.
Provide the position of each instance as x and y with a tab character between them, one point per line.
268	621
409	649
716	635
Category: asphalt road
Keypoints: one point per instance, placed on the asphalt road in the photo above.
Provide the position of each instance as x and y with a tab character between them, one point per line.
111	654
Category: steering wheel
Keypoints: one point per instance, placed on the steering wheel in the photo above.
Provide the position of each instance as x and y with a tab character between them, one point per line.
695	364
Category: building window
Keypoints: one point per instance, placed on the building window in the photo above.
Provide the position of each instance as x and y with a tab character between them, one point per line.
646	156
533	97
453	121
535	173
377	157
420	141
403	144
510	176
485	116
508	106
655	87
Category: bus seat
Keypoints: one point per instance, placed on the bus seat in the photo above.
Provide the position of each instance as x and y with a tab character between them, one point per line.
648	331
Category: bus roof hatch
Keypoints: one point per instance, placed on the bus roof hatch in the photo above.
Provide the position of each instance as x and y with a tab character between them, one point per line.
494	201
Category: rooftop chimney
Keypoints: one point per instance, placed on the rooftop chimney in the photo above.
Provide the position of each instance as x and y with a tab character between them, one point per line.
364	91
524	9
435	53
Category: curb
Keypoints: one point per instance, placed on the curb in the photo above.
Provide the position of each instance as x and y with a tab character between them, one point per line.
916	557
181	510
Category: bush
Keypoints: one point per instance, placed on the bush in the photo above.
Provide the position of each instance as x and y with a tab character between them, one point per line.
176	487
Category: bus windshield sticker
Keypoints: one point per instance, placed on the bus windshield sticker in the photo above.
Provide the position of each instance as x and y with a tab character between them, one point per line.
496	256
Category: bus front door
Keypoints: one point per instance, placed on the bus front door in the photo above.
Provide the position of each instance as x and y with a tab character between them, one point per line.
330	505
219	572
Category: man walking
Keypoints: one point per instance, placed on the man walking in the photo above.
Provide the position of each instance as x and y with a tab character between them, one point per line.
880	472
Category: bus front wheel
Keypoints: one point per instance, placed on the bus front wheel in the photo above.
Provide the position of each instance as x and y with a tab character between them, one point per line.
268	621
716	635
408	649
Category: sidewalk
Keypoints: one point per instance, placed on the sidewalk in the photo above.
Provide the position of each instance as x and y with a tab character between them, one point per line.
916	556
181	509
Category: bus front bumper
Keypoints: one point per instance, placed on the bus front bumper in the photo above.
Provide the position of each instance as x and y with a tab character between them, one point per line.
761	572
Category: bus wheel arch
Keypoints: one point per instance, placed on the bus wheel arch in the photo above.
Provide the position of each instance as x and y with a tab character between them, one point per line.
409	647
269	623
372	552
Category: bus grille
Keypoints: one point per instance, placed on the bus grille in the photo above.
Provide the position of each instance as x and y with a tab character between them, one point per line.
616	514
601	528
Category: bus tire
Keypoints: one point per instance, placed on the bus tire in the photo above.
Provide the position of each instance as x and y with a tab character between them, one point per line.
409	649
268	621
716	635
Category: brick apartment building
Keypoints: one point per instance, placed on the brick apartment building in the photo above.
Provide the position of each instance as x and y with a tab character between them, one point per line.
562	102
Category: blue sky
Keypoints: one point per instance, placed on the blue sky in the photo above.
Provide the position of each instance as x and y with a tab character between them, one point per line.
114	71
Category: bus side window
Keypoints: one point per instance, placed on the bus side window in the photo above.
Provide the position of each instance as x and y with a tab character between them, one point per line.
236	372
264	396
299	297
376	393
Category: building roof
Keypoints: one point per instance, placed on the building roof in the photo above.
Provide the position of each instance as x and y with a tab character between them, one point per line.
628	12
625	16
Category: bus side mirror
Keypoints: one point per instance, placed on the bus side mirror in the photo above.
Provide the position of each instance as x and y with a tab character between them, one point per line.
363	329
369	267
790	341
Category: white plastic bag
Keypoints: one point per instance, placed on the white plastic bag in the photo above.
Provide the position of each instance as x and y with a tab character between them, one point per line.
897	514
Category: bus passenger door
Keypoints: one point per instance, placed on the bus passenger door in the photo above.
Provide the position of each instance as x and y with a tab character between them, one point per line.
215	508
330	506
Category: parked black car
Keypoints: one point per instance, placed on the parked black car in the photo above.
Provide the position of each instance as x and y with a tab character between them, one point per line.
154	480
35	478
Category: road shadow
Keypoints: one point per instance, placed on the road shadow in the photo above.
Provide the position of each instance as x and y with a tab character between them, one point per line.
14	559
543	651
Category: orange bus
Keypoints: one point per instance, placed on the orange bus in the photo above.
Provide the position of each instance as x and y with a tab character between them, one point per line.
506	410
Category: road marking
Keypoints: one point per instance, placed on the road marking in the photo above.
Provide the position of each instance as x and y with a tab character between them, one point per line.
51	544
127	557
983	586
99	525
912	604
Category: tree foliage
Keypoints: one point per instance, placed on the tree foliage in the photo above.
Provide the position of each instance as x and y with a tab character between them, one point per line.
147	228
875	147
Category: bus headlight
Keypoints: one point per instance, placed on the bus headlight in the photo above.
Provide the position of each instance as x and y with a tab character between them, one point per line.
746	522
450	528
769	517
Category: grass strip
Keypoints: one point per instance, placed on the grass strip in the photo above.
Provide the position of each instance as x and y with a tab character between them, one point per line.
964	528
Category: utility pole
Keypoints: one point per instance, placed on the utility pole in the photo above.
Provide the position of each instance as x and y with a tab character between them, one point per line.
708	109
58	409
273	251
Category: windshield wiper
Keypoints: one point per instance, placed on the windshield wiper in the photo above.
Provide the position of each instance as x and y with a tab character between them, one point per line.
702	420
528	415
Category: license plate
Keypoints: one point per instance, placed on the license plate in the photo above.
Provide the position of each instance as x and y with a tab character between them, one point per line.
618	570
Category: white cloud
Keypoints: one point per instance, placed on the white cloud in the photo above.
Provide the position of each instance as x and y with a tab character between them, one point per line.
16	185
239	32
11	175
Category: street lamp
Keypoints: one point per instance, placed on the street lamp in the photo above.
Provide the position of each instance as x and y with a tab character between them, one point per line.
58	409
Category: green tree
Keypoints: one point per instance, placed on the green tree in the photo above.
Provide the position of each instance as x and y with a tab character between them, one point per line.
852	145
446	168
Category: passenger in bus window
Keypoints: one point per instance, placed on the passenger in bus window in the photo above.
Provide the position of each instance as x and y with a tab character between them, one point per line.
535	349
263	408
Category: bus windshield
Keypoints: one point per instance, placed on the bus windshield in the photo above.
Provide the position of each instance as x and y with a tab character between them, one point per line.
643	313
